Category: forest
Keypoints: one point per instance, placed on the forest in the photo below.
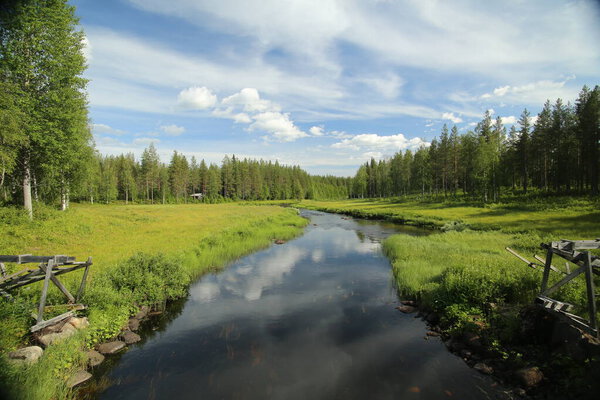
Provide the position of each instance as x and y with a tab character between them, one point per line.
555	152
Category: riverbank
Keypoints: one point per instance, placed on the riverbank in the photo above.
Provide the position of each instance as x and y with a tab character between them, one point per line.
143	255
472	287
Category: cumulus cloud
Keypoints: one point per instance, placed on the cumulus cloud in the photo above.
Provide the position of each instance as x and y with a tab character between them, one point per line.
451	117
374	142
278	125
316	131
196	98
172	130
511	120
247	107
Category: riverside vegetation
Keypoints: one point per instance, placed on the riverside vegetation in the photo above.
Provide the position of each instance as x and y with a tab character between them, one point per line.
465	275
128	270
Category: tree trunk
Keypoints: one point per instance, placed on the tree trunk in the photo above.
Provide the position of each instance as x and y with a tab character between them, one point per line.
27	204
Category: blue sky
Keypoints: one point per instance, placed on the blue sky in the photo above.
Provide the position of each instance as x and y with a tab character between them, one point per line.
325	84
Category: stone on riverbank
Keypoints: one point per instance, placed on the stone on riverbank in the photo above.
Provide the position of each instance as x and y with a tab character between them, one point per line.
78	378
111	347
26	355
529	377
79	323
406	309
94	358
483	368
66	331
130	337
133	324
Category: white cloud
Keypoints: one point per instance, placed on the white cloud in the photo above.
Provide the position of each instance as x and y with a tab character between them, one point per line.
372	141
105	129
172	130
87	49
509	120
451	117
278	125
144	141
242	118
250	101
196	98
316	131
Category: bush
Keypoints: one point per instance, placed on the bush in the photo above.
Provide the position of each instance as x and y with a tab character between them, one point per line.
147	279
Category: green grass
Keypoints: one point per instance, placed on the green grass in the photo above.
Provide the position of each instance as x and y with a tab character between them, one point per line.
142	255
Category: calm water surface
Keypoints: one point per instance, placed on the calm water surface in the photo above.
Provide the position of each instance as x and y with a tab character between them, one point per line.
311	319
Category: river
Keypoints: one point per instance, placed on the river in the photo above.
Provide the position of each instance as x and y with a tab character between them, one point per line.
313	318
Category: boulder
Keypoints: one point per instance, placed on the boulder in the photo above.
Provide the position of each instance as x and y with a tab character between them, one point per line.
411	303
79	323
68	330
26	355
94	358
130	337
111	347
483	368
134	324
78	378
529	377
472	340
432	333
279	241
406	309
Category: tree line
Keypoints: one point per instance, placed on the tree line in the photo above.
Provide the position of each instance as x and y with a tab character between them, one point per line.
556	152
149	180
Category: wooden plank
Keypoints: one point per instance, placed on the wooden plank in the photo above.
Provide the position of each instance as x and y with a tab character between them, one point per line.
28	258
553	304
12	276
2	269
552	267
589	284
59	285
571	245
42	324
49	267
520	257
84	279
547	270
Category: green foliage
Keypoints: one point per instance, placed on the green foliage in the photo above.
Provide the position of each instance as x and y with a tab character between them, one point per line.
147	279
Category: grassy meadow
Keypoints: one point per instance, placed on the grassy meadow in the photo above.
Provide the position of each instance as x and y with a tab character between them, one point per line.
142	254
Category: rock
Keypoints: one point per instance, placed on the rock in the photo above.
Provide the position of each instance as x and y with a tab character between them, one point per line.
406	309
143	313
483	368
279	241
133	324
94	358
432	333
79	323
68	330
411	303
78	378
529	377
26	355
130	337
111	347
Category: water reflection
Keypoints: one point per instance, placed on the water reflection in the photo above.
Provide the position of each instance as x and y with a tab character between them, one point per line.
313	318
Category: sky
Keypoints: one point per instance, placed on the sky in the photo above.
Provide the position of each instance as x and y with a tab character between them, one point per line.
324	84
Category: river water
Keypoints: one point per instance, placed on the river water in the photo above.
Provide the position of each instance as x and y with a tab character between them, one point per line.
313	318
